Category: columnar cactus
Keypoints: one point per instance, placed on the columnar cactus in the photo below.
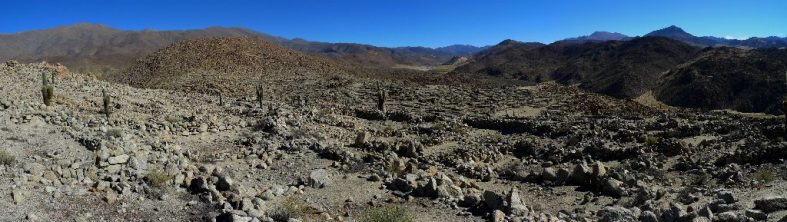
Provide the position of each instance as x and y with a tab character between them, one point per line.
380	98
47	90
259	94
107	103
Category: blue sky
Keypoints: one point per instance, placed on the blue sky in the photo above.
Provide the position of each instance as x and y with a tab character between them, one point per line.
412	22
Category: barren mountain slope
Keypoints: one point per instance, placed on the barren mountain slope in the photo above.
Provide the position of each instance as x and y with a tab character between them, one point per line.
729	78
227	64
617	68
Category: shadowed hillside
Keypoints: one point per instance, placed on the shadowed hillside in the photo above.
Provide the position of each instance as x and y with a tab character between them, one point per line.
728	78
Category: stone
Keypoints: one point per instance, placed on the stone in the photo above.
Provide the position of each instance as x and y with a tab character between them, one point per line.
32	217
756	214
771	204
319	178
110	197
203	128
616	214
498	216
705	212
119	159
580	175
726	196
362	139
726	217
599	171
563	175
18	196
493	200
673	213
612	187
516	207
470	200
648	216
549	174
224	182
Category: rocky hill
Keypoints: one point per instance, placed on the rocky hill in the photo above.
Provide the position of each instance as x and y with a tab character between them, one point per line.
749	80
93	47
99	48
230	65
729	78
617	68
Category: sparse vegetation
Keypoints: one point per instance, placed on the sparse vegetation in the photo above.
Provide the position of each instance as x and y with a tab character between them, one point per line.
173	118
157	178
651	140
6	158
115	132
388	214
764	175
292	207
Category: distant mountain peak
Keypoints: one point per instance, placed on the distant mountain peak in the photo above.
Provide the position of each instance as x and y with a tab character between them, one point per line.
600	36
509	42
671	31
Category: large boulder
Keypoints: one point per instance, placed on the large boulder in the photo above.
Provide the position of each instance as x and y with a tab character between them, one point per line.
617	214
319	178
771	204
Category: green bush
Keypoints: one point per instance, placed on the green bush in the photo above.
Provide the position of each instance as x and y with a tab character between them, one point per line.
292	207
7	158
115	132
764	175
157	178
387	214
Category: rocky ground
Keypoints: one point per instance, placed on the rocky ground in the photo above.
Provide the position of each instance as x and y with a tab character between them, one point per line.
321	150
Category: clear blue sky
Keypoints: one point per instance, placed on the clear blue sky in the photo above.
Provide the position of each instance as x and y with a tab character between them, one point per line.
412	22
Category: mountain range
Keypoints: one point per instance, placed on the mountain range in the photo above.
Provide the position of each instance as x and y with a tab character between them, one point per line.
676	67
679	34
677	72
86	46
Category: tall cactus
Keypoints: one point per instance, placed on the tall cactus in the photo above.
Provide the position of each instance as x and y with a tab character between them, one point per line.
107	103
47	90
259	94
381	98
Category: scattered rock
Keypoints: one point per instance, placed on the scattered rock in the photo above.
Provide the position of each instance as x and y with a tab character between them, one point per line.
319	178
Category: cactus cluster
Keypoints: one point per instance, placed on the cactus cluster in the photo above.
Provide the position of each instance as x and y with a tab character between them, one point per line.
47	90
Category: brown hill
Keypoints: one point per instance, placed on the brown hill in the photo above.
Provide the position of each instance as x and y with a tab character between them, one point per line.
227	64
617	68
96	47
86	46
728	78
